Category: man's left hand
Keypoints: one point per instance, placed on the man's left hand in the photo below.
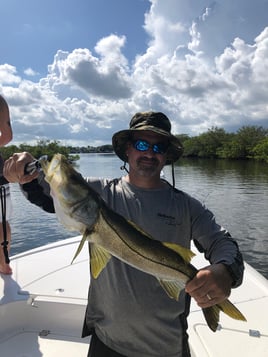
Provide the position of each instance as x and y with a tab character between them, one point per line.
210	286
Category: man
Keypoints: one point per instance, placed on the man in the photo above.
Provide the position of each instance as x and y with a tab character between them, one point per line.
128	312
5	206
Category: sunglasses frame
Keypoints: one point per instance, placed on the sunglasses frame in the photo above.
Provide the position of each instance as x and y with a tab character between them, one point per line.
158	148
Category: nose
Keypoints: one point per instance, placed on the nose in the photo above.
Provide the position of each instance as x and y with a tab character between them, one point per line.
149	153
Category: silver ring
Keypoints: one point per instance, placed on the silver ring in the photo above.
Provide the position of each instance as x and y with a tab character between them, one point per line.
209	297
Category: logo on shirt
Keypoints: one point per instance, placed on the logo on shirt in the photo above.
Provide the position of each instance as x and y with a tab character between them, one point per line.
169	220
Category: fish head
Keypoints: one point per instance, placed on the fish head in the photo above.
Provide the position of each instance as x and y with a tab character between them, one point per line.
74	206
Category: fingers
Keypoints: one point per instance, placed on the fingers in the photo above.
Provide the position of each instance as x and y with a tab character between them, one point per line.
210	286
14	168
208	300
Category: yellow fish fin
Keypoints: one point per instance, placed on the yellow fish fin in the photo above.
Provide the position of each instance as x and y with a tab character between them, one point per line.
229	309
99	258
212	316
172	287
212	313
185	253
81	244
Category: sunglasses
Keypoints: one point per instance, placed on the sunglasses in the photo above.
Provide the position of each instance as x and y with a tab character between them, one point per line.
143	145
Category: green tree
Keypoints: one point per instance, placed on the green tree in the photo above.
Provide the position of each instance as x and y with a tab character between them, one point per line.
243	143
212	142
192	147
260	151
208	144
43	147
182	137
105	148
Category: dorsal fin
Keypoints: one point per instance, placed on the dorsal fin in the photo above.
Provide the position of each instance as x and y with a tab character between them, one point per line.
185	253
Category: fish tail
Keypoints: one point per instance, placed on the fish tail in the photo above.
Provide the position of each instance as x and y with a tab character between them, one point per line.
229	309
212	314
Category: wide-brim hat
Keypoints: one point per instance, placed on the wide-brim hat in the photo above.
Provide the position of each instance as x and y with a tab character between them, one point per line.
152	121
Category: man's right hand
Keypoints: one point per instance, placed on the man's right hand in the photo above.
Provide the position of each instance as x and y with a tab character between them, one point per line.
14	168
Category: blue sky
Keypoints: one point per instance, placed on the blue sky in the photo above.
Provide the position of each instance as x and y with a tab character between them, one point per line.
35	29
76	71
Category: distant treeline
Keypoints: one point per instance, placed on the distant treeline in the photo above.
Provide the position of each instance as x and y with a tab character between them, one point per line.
249	142
43	147
49	148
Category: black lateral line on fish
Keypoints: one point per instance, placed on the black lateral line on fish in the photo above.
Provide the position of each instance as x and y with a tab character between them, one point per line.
131	247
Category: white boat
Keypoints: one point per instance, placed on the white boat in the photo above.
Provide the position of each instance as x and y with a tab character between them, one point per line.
42	307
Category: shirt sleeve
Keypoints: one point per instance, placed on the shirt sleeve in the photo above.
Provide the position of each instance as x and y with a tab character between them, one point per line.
216	242
38	193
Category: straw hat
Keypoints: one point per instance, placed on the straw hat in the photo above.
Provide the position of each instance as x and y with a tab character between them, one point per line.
152	121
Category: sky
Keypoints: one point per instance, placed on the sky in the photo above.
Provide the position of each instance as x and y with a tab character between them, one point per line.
76	71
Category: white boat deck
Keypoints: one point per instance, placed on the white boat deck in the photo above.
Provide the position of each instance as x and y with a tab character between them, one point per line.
235	338
42	306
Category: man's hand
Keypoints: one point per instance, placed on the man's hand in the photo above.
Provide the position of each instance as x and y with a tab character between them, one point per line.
14	168
210	286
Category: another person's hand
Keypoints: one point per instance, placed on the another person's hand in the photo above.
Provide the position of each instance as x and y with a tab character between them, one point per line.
14	168
210	286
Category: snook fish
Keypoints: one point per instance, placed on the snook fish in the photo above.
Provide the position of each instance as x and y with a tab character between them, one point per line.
80	208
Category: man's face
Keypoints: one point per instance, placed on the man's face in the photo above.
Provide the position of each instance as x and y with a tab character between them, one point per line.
147	163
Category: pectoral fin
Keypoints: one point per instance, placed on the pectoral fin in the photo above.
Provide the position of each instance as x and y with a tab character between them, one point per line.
99	258
172	288
185	253
81	244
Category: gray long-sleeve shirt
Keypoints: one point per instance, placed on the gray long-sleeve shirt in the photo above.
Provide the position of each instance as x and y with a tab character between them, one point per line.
128	309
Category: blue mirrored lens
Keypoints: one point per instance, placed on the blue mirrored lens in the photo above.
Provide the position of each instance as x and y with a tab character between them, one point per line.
160	148
143	145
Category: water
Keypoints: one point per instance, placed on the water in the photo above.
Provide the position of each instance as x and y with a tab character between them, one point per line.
237	193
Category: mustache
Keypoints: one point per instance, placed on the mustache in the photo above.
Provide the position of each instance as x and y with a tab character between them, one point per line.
144	158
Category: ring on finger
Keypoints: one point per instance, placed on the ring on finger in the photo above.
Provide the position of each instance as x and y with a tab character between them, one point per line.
209	297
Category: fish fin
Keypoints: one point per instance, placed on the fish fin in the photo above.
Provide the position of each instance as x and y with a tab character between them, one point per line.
81	244
172	288
212	316
99	258
231	310
212	313
185	253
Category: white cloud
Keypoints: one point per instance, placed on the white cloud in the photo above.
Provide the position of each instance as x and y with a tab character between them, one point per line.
203	67
8	75
105	76
30	72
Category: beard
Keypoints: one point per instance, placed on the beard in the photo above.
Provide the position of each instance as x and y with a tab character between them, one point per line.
148	167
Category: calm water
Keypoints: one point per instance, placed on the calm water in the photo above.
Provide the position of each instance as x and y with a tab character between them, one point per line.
237	192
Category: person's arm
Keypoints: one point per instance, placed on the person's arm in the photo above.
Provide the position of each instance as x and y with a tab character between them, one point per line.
34	187
213	284
5	125
5	133
37	192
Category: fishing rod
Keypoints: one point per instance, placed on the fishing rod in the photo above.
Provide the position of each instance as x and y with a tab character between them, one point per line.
29	169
